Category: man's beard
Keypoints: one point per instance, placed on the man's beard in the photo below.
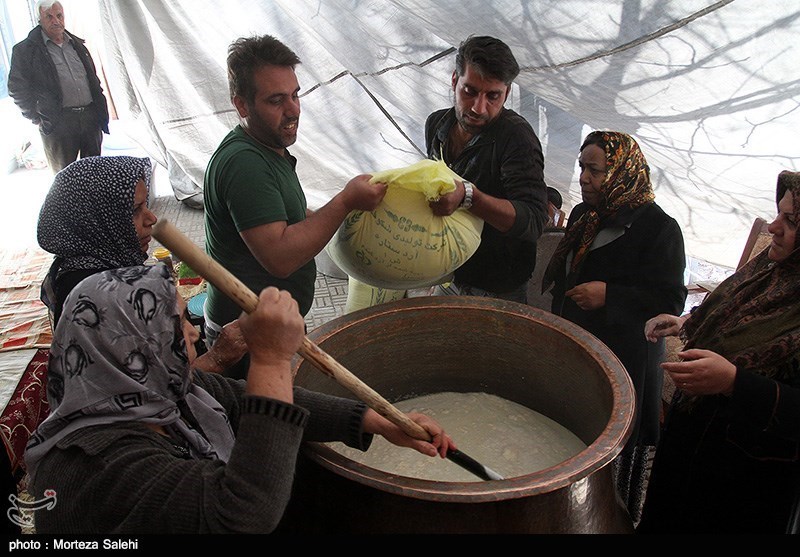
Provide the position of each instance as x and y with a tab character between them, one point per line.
468	125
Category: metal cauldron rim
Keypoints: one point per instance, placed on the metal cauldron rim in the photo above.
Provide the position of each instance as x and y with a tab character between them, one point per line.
600	453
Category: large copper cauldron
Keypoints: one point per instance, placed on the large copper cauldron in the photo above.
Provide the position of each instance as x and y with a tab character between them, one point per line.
427	345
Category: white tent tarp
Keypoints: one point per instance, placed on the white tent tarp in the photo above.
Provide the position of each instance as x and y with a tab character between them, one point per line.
710	89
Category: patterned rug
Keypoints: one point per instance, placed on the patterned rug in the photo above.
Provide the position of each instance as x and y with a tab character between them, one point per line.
25	338
24	321
25	409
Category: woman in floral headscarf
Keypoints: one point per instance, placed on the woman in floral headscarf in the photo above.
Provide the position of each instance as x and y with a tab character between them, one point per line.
729	457
621	262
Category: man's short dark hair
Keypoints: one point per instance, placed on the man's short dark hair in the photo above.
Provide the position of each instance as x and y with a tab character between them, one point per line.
247	54
491	57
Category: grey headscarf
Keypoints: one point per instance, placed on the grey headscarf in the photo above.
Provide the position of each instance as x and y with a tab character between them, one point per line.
119	355
87	217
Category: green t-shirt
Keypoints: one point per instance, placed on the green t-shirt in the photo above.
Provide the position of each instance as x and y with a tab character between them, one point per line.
247	185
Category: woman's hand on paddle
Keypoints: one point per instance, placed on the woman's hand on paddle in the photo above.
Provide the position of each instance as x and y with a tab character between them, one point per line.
273	331
439	444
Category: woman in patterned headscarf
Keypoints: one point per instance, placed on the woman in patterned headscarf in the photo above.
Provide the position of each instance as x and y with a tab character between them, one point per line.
95	217
621	262
138	442
729	458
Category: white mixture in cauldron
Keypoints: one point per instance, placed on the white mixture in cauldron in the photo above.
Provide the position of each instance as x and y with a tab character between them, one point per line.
507	437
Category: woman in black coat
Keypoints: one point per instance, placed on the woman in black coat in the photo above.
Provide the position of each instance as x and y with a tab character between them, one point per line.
621	262
728	461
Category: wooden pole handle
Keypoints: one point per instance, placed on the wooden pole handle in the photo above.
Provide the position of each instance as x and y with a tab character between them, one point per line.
174	240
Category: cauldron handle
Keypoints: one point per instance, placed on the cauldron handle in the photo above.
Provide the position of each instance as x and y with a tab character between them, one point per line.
200	262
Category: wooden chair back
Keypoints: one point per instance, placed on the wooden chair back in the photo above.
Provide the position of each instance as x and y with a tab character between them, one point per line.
757	241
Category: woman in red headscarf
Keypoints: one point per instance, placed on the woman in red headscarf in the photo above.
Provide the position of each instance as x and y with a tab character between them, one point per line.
729	456
621	262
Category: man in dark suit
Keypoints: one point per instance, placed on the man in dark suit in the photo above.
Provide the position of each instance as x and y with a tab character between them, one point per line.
54	82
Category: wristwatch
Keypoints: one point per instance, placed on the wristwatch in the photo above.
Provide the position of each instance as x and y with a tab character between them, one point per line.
468	190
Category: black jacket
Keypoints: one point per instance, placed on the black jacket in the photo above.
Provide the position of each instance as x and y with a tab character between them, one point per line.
643	271
504	161
33	82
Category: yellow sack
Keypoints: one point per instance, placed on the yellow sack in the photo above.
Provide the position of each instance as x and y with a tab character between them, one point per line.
402	244
361	296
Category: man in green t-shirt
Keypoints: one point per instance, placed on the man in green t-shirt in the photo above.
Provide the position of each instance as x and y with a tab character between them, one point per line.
256	220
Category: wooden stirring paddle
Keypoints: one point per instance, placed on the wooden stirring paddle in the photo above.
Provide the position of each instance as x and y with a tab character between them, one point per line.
200	262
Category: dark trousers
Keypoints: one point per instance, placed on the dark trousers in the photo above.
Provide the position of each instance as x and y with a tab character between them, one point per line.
76	134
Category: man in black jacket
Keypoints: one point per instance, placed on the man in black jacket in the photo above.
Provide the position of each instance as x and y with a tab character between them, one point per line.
54	82
500	158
